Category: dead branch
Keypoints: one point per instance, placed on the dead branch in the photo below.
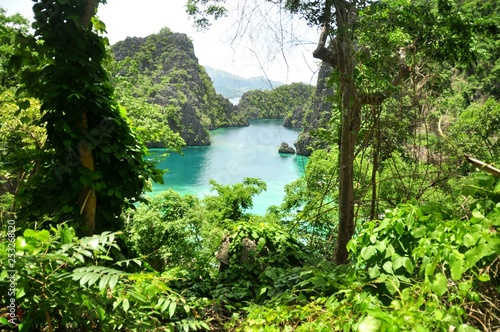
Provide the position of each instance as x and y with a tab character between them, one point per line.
484	166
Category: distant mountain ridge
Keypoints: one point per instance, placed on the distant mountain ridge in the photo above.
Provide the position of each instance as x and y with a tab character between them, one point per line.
233	86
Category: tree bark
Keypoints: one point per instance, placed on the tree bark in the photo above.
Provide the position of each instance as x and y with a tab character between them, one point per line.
351	116
342	60
375	162
87	199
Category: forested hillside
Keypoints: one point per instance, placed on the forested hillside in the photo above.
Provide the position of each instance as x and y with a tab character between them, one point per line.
285	101
163	72
393	227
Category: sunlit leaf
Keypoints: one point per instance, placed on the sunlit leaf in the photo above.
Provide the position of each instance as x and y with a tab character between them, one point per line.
171	308
125	304
369	324
368	252
440	284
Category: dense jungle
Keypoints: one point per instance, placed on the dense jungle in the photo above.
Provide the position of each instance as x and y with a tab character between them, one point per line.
393	227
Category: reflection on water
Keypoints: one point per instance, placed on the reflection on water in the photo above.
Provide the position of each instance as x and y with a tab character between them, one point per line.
236	153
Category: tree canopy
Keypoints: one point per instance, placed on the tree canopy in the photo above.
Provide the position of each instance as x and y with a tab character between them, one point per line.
373	50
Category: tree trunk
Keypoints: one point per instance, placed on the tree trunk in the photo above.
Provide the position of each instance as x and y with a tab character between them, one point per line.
376	156
87	199
340	57
351	117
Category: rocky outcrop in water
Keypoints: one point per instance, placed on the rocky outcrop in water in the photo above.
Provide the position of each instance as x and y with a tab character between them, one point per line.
285	148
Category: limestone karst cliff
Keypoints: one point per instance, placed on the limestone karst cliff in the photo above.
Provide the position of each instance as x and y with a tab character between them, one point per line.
318	117
163	70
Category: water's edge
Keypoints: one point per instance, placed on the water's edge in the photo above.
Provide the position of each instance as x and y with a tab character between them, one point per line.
235	153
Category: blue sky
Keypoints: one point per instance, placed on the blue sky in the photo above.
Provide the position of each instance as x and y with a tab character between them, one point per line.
255	40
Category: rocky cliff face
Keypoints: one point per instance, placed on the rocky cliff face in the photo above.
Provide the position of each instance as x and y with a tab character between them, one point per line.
318	117
163	69
296	119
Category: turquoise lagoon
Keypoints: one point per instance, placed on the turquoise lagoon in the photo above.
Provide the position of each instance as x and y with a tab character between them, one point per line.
235	153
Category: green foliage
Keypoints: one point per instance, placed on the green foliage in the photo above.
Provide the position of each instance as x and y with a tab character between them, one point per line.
277	103
475	131
174	230
416	269
259	253
22	139
149	120
275	247
483	78
68	282
447	38
415	255
166	231
309	208
400	71
10	27
407	180
231	200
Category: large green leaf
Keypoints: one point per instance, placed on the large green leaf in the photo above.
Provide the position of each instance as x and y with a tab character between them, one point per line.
171	308
368	252
67	234
440	284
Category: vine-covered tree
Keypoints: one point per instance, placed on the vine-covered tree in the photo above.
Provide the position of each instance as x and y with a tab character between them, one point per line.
93	165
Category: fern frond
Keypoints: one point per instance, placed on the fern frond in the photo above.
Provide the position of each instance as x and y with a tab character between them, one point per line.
89	275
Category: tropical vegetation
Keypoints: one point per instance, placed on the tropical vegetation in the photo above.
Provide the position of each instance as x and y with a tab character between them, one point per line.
394	227
278	103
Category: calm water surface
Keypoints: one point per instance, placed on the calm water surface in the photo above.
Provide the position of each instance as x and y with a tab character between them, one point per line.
236	153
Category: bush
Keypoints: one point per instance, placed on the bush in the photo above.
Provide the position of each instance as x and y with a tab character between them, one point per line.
68	283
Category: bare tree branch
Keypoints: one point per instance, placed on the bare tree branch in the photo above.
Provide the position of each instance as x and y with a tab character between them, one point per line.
484	166
322	52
